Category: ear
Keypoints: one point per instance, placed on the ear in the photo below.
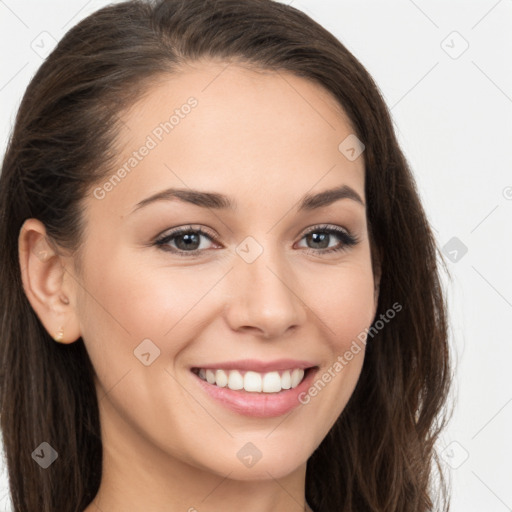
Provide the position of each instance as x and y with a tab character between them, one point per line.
47	282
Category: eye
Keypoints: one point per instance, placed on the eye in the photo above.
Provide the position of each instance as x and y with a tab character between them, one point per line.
188	240
321	236
185	240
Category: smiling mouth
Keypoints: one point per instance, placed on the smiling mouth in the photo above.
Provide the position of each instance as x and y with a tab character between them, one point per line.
253	382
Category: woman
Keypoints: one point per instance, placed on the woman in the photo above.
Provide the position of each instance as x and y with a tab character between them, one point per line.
217	273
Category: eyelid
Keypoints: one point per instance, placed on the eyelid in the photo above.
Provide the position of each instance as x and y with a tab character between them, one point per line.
186	227
326	227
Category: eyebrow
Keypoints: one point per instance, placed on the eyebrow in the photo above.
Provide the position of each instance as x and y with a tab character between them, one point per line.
219	201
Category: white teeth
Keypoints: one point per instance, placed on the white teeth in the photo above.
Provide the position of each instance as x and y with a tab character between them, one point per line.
296	377
210	377
252	382
270	382
221	378
236	381
286	380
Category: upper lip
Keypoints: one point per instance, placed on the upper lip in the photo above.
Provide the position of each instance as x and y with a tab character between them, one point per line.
258	365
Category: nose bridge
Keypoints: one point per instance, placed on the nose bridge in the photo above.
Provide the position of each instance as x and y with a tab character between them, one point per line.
263	283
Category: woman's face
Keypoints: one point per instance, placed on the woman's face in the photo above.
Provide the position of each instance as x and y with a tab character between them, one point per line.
260	285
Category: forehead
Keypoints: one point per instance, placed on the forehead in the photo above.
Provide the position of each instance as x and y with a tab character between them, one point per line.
226	127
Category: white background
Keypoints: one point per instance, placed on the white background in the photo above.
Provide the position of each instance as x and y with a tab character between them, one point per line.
453	117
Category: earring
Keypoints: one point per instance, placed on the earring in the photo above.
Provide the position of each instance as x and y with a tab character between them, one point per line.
60	335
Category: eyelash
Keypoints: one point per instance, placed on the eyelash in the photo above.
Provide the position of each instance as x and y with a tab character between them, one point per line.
348	240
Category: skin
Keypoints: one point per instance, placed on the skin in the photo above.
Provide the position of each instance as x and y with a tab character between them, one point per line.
264	139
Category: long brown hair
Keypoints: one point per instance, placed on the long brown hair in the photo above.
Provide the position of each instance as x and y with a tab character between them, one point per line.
380	454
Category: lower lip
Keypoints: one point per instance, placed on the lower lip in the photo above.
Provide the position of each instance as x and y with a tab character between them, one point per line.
258	405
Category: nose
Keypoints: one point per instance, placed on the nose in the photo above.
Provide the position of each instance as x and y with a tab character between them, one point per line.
265	297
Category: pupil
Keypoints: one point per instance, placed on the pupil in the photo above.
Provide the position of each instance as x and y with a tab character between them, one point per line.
320	238
189	239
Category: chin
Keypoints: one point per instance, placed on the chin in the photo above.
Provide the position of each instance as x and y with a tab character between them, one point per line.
272	464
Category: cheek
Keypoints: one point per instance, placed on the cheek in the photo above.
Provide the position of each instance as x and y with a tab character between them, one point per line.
120	307
346	308
345	303
140	301
128	303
